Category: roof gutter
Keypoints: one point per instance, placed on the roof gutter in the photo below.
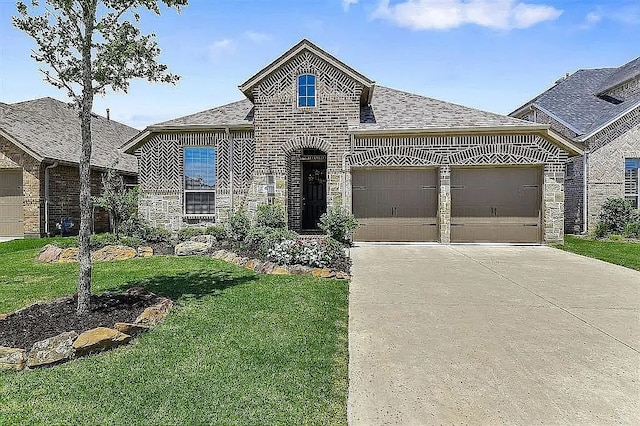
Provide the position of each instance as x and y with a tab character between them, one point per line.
47	231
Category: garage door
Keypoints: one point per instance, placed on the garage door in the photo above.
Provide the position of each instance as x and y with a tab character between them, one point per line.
395	205
496	204
11	203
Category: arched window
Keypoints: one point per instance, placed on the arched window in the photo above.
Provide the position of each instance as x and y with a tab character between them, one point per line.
306	90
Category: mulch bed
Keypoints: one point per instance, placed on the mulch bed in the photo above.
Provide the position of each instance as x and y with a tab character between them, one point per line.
43	320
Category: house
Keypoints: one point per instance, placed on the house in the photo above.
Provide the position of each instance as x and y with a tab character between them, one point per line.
312	132
599	109
39	155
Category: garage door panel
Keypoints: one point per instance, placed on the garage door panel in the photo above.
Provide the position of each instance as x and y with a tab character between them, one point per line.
395	204
495	204
11	203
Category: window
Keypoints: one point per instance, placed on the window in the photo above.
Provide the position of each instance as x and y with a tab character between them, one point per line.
632	181
199	180
307	90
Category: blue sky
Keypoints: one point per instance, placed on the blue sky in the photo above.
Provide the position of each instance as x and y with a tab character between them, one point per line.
488	54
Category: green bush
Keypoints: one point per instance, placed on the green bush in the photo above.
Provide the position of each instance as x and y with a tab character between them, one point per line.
270	216
185	233
130	241
261	239
97	241
601	230
237	225
632	229
217	231
615	214
319	253
155	234
339	224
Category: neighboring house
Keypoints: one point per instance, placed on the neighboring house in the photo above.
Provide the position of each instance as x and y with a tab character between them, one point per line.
600	109
313	132
39	155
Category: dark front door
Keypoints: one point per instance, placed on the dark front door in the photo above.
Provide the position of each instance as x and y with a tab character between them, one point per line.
314	193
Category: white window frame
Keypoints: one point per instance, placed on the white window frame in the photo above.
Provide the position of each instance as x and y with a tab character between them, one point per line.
635	195
184	183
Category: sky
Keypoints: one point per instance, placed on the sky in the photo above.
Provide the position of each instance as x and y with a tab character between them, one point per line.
489	54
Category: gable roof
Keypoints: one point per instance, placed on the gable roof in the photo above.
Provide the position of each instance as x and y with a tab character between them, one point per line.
577	100
235	114
303	45
49	129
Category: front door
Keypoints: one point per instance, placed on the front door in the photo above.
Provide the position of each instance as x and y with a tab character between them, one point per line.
314	193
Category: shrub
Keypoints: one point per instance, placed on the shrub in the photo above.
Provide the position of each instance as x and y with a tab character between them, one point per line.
339	224
120	202
155	234
130	241
320	253
270	216
261	239
615	214
185	233
237	225
632	229
601	230
217	231
97	241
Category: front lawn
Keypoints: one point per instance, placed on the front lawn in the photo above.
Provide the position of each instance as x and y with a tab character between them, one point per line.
237	348
618	252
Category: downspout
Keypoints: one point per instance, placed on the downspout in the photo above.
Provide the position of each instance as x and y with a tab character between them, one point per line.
46	198
231	149
345	171
585	199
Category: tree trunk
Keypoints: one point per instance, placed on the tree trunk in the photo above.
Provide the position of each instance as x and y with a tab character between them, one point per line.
86	105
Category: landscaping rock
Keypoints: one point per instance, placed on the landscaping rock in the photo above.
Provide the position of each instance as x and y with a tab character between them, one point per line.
68	255
145	251
131	329
267	267
99	339
49	253
154	314
280	270
342	276
12	358
299	270
3	316
111	253
191	248
323	273
207	239
52	350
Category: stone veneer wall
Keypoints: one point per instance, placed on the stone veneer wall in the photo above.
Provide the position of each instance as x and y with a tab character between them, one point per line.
12	157
607	152
447	152
573	198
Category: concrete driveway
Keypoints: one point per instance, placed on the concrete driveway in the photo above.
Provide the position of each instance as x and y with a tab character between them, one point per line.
491	335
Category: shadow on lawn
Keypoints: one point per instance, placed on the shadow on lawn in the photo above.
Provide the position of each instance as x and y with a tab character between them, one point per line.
188	285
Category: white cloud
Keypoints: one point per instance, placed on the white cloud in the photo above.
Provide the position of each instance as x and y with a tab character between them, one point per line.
221	47
446	14
347	3
257	37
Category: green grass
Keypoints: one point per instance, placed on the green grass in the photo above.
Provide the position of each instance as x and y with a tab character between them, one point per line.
237	348
618	252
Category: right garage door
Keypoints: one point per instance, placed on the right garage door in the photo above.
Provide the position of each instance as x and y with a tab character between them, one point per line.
496	204
11	203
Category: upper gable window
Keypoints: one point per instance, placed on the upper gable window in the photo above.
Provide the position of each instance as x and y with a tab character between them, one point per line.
307	90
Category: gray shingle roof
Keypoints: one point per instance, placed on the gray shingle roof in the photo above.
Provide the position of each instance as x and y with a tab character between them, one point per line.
574	100
390	109
394	109
51	129
233	114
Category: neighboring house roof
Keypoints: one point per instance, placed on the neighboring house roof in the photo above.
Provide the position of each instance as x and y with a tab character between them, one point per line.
303	45
49	129
578	101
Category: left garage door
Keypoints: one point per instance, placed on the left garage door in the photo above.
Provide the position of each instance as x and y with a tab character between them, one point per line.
11	219
395	204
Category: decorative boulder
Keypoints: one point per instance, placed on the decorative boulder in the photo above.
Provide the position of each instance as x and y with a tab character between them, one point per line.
280	270
191	248
207	239
68	255
111	253
131	329
12	358
323	273
99	339
52	350
145	251
299	269
49	253
154	314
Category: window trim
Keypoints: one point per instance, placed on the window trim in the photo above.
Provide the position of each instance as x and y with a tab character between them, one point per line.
306	97
635	195
184	183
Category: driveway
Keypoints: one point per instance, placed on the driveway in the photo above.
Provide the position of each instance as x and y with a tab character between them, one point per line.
491	335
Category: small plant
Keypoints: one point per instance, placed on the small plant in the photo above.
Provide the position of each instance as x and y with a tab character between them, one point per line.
100	240
237	225
615	214
601	230
270	216
615	237
131	241
632	229
185	233
120	202
339	224
217	231
262	239
320	253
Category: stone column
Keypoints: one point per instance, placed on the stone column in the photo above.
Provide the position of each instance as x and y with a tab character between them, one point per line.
553	199
444	207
